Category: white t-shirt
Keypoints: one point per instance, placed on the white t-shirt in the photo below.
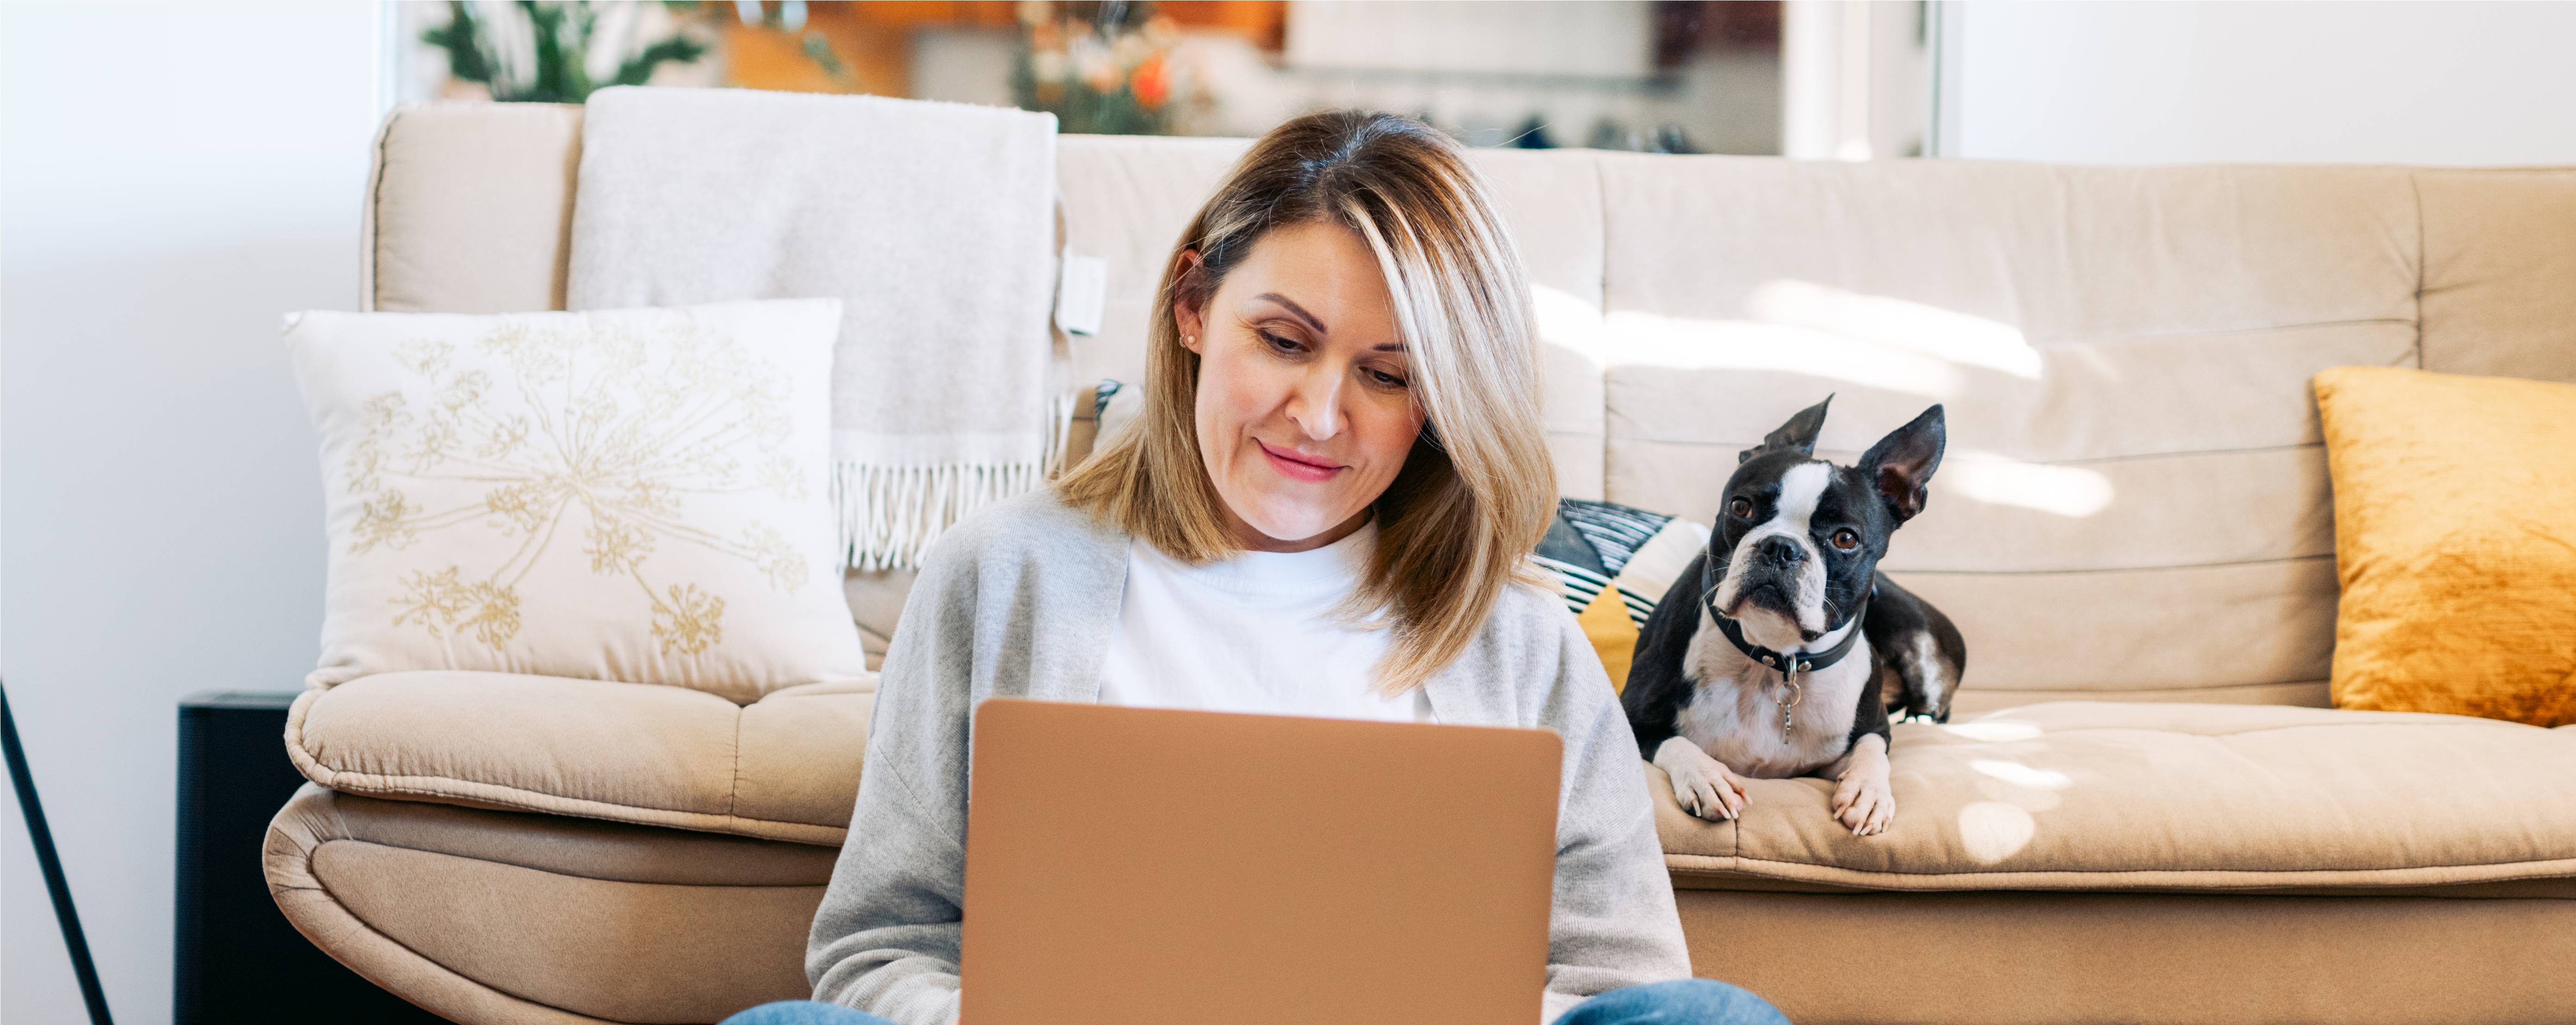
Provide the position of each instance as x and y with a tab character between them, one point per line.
1253	633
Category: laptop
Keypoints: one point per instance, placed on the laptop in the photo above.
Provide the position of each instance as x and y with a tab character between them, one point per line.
1148	866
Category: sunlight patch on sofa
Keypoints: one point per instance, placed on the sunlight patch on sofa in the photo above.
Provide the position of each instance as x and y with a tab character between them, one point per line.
1991	831
2070	491
2023	787
1644	339
1568	323
1952	336
2021	775
1994	731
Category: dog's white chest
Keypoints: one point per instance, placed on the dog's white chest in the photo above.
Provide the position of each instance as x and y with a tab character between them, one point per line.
1734	711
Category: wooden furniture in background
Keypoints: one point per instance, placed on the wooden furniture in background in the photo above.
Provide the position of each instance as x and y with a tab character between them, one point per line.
871	42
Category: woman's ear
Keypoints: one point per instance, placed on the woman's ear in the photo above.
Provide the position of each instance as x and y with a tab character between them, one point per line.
1188	300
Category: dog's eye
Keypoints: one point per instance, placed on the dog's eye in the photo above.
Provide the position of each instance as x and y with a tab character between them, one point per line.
1846	540
1741	508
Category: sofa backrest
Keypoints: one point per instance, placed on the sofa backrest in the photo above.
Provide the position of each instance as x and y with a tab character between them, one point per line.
2135	504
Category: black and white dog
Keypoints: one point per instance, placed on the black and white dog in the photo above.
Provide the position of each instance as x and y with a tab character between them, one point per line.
1781	650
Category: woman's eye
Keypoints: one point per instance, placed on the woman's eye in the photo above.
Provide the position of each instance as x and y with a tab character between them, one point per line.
1741	508
1277	343
1846	540
1384	379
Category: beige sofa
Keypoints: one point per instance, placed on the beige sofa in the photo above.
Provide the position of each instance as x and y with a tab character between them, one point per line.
2141	811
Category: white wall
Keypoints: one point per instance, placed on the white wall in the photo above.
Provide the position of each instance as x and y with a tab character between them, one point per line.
172	178
2450	82
1854	79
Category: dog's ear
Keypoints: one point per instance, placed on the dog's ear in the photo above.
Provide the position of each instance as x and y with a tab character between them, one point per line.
1901	464
1798	435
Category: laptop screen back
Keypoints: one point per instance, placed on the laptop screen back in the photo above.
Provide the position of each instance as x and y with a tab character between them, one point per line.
1144	866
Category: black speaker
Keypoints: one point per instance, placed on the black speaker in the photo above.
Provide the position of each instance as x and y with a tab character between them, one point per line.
238	959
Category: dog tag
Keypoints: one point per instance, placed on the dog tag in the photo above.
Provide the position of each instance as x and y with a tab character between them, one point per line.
1791	693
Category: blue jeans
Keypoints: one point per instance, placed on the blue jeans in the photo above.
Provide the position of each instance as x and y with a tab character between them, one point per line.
1679	1002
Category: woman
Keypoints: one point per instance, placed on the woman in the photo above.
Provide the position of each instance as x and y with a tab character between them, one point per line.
1324	509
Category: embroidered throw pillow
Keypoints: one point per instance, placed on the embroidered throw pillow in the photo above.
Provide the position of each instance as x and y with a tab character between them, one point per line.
631	495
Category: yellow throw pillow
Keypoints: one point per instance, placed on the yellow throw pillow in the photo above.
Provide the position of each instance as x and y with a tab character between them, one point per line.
2455	542
1612	563
1613	634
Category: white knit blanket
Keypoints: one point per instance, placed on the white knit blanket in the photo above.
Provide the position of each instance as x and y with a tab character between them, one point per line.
932	222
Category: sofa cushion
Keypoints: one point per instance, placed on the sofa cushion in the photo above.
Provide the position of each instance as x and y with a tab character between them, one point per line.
783	768
638	495
2496	266
2061	796
2123	354
504	918
2023	958
2122	796
470	208
2455	539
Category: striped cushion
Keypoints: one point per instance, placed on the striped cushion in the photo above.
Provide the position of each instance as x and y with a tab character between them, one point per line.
1592	546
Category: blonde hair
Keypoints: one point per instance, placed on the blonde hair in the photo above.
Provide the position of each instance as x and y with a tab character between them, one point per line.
1477	490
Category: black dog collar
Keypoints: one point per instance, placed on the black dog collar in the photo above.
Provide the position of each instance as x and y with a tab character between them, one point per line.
1791	662
1788	663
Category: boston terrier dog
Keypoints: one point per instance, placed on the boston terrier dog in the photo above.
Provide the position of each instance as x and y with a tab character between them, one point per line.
1780	651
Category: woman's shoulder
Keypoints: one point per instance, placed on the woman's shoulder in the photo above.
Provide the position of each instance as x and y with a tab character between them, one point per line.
1032	528
1529	666
1525	614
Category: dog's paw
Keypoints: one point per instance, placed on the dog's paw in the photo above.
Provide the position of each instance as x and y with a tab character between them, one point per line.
1702	785
1863	801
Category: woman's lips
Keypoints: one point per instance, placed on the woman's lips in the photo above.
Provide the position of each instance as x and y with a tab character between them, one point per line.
1298	467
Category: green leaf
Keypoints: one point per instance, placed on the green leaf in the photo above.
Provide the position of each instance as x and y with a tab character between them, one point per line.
675	50
462	39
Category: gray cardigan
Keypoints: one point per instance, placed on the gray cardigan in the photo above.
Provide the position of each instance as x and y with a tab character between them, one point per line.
1020	600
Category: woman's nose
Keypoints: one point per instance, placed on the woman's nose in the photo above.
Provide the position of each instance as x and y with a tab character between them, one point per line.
1315	404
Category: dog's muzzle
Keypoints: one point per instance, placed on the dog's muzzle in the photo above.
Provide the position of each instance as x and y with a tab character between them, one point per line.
1773	577
1779	554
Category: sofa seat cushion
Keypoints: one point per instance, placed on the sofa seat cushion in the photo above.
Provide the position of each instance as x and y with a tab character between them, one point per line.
783	768
2171	797
509	918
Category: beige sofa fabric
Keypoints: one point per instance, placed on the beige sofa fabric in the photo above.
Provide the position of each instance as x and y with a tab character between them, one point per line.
641	924
2302	694
2500	272
471	208
783	768
654	925
2008	958
1553	203
2135	495
2262	630
1125	200
2115	796
876	604
2146	520
2056	796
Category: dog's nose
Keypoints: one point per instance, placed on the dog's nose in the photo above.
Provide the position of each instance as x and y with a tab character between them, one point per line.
1780	550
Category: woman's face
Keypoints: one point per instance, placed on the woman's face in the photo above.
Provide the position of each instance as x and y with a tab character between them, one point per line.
1303	410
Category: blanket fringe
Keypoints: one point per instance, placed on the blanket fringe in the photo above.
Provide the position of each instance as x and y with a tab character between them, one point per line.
891	514
1059	431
